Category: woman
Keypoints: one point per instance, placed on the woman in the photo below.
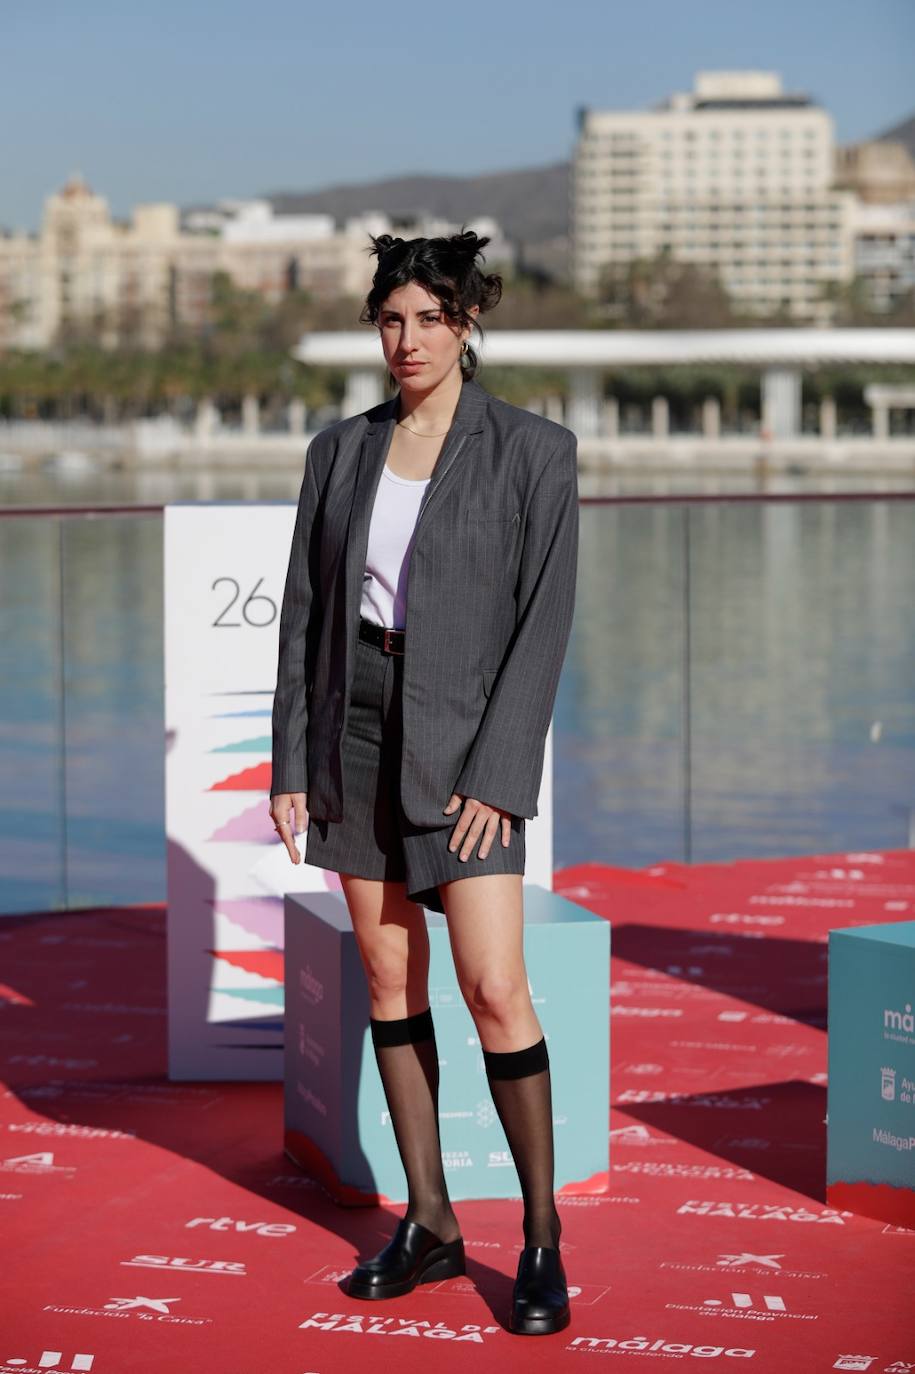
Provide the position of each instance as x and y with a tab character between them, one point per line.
409	726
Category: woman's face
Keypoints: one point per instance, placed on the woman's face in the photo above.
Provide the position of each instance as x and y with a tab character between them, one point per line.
421	345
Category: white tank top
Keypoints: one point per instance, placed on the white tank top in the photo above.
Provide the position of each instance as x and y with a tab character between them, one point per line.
387	560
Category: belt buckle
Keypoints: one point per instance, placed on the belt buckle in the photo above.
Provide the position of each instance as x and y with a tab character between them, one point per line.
387	642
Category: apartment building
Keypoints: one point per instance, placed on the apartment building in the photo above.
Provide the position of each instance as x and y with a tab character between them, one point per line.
135	281
884	252
736	176
882	175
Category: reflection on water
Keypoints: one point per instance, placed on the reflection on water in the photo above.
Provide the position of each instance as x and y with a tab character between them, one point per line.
263	480
777	717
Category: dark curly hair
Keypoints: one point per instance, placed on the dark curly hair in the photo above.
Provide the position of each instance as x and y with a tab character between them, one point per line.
446	266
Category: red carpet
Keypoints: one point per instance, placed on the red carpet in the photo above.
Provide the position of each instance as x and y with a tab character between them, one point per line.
127	1203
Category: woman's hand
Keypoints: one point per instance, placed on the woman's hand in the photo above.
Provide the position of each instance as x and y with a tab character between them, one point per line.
280	807
477	819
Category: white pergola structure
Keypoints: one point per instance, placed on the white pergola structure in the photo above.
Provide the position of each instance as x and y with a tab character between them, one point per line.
585	354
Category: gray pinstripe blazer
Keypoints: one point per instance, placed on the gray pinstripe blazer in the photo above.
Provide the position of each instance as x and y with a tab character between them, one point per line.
490	601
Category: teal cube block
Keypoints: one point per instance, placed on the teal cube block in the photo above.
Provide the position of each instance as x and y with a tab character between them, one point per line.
337	1125
870	1134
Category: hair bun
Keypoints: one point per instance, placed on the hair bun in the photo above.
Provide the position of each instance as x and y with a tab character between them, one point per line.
383	243
467	244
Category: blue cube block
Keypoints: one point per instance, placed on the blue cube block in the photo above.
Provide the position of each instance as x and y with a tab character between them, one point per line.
337	1125
870	1152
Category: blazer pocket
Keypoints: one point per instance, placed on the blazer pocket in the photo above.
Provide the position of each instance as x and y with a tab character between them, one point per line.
489	677
489	517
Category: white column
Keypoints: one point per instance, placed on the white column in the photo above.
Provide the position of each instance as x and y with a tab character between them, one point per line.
553	410
250	414
660	417
363	390
297	416
206	419
880	419
711	418
584	401
828	417
781	402
612	417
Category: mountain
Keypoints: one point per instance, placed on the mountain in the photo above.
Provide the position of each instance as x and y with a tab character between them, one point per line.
531	205
901	133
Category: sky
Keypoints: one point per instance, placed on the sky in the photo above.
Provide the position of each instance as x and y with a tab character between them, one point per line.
189	102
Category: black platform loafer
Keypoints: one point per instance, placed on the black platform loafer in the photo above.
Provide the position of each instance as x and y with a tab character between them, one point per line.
540	1298
413	1255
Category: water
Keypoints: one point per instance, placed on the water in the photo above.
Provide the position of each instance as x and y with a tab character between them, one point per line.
778	717
740	681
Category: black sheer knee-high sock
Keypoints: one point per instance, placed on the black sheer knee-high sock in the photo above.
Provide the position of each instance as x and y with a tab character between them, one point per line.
407	1059
519	1081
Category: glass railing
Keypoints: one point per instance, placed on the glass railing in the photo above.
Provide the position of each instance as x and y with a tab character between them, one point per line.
739	683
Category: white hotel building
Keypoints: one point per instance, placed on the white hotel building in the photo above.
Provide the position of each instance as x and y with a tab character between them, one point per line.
735	176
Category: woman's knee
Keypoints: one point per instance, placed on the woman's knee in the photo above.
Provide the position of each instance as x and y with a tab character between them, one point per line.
498	996
394	950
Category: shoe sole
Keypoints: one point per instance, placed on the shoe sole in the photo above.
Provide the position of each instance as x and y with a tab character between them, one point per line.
439	1265
539	1326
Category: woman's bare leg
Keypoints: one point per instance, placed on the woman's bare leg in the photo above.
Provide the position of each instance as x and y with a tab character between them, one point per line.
485	917
393	943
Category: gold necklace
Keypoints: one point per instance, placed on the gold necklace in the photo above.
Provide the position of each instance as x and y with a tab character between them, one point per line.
417	432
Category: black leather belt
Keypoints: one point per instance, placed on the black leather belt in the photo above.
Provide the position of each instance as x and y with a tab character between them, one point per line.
391	641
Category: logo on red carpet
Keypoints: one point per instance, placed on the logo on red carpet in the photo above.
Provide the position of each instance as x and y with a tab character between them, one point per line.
51	1061
42	1162
763	1307
637	1135
717	1101
140	1306
679	1170
644	1345
160	1305
259	1228
48	1359
360	1325
192	1266
746	1261
741	918
651	1012
770	1302
765	1211
69	1128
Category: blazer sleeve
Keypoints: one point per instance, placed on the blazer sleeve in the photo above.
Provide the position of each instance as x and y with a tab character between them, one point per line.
505	763
296	645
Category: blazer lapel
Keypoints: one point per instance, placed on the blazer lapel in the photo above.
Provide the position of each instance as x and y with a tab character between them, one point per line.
468	420
372	452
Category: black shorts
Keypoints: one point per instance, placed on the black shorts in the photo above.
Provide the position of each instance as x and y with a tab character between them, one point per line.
375	839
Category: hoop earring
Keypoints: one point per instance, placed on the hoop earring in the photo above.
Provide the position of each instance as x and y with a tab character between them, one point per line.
464	347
